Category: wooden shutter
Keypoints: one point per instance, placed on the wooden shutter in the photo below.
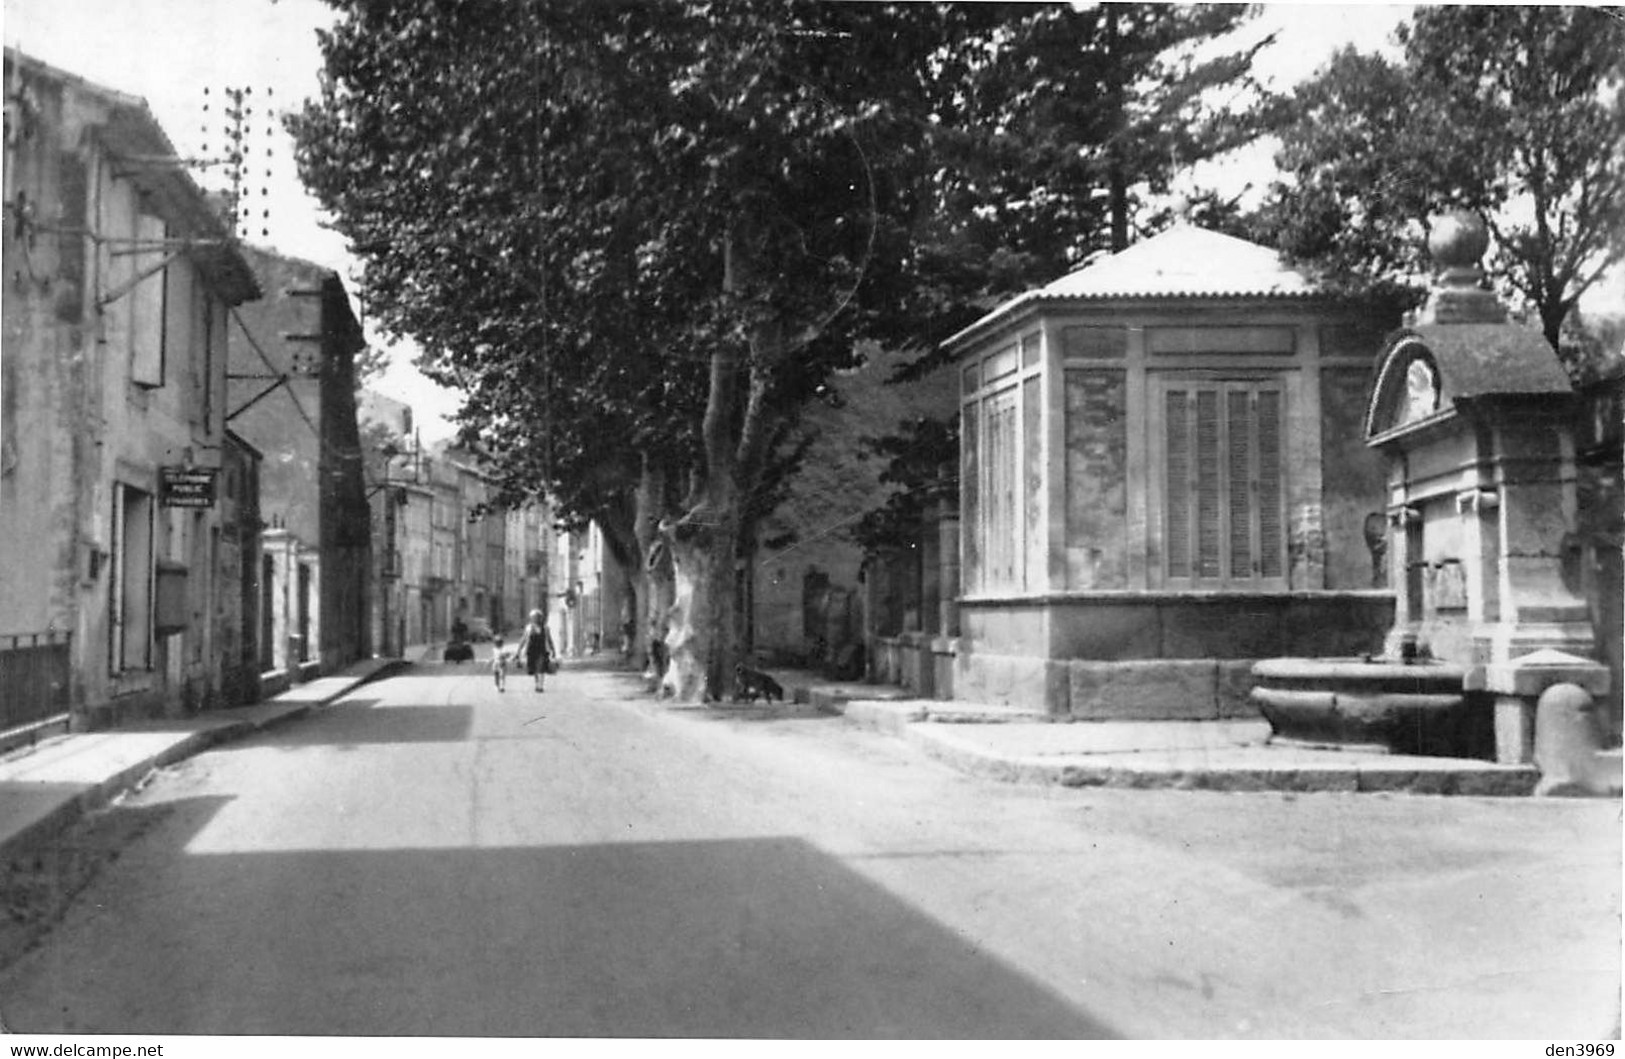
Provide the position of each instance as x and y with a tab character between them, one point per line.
147	311
1224	521
1242	482
115	585
1002	478
1271	522
1208	450
970	497
1177	488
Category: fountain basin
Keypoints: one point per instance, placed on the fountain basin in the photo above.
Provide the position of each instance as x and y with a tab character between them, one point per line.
1382	704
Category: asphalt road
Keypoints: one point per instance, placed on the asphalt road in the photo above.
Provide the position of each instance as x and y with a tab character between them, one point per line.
431	857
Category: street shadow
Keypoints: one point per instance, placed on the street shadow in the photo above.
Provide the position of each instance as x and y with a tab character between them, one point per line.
747	938
780	711
41	882
362	722
479	666
633	686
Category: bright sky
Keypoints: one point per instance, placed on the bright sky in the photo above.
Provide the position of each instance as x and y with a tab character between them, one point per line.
170	51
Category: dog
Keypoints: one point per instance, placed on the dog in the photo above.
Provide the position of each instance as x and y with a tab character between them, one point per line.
750	684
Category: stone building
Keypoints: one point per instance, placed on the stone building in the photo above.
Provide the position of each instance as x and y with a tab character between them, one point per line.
416	558
1164	478
817	589
1593	553
443	588
386	440
459	560
293	396
578	568
115	548
239	615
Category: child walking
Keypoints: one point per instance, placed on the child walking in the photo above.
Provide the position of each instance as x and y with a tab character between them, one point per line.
499	663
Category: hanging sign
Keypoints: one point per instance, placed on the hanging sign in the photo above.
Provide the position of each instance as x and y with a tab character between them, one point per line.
187	486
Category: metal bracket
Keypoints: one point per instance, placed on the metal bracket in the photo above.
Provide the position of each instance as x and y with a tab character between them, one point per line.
252	401
134	281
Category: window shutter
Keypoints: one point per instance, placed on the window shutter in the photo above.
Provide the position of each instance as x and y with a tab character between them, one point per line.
970	497
1003	474
1224	492
1178	485
1207	485
1238	424
147	303
1271	528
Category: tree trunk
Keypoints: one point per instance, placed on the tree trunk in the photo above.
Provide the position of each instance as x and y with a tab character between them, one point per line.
656	590
700	637
705	541
619	525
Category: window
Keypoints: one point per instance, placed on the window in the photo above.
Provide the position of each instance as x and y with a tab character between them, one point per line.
130	600
991	490
1003	477
1223	493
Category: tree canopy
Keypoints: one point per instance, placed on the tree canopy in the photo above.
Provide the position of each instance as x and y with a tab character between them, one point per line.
1517	112
1071	119
636	237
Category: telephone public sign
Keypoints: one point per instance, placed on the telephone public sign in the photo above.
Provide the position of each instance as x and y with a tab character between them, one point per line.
187	486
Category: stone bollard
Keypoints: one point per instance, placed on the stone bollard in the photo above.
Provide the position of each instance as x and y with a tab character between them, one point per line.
1518	687
1566	741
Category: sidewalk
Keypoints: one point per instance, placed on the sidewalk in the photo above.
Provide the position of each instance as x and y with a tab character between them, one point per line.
45	788
1021	745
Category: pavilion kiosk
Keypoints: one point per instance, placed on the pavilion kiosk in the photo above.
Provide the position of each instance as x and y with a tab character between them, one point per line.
1163	479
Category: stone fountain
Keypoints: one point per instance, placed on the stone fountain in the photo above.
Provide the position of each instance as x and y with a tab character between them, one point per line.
1474	415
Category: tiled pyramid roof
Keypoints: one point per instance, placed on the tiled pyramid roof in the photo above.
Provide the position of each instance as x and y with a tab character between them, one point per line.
1183	262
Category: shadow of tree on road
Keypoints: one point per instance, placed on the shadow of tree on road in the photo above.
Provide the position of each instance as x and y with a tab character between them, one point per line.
762	937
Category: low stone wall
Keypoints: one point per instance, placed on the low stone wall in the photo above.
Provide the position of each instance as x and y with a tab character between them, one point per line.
1151	656
906	661
274	682
1167	689
887	667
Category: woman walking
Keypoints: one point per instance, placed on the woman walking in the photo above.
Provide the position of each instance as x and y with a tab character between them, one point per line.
536	647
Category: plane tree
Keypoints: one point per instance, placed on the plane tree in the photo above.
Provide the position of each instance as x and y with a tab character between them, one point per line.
638	237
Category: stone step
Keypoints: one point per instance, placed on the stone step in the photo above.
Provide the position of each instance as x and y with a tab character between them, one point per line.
1608	773
984	713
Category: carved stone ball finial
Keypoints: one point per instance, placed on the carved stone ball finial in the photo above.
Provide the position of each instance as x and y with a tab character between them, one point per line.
1457	241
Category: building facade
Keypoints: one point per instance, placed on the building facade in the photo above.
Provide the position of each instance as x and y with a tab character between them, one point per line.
392	456
293	396
114	557
237	595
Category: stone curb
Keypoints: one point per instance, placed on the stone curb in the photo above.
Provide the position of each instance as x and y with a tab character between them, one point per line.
1122	770
76	806
1091	771
915	721
893	718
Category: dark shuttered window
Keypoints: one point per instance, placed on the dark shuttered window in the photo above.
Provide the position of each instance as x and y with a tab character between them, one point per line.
1224	492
